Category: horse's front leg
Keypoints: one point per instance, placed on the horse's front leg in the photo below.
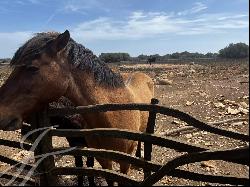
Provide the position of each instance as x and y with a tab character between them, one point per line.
138	150
79	163
107	164
90	163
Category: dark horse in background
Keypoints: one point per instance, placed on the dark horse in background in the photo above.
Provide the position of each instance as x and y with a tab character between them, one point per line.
151	59
52	65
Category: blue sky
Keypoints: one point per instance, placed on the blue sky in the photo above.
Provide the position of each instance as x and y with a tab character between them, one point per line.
133	26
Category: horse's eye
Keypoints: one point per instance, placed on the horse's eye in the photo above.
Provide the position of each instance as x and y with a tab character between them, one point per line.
32	68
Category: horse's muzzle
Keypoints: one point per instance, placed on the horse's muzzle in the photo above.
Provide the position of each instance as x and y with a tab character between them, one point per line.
10	124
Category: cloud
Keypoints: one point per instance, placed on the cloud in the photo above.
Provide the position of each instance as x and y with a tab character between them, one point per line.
197	7
233	17
81	6
50	18
11	41
34	1
141	24
72	7
138	25
24	2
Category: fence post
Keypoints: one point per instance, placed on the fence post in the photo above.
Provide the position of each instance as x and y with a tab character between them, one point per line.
149	129
45	146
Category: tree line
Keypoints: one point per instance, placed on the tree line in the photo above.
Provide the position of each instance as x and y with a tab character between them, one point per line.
235	51
238	50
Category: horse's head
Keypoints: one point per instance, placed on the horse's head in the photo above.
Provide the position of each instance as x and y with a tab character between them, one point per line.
40	75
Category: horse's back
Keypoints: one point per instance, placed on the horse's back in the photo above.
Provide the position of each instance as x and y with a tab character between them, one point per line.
142	87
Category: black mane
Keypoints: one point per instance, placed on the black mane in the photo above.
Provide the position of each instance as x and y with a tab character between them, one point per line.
77	55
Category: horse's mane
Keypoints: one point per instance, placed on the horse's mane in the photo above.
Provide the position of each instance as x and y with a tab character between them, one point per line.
77	55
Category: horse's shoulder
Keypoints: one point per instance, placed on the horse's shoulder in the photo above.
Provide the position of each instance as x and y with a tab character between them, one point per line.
140	75
136	78
140	86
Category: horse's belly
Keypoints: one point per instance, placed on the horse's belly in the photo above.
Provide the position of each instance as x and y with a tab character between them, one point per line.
127	120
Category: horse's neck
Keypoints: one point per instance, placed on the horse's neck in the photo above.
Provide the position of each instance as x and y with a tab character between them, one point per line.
84	90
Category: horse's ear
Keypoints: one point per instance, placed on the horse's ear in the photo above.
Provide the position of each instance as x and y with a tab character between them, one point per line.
59	43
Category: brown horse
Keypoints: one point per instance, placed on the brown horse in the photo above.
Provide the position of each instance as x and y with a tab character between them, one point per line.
51	65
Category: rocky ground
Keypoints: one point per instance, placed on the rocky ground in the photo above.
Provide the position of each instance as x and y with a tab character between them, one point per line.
210	93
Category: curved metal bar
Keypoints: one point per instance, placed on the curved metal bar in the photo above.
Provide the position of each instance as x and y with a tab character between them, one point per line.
17	178
115	155
209	178
15	144
111	155
132	135
239	153
108	174
201	125
14	162
149	107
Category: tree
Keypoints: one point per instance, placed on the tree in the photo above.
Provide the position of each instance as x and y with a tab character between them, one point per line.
114	57
211	55
175	55
238	50
142	57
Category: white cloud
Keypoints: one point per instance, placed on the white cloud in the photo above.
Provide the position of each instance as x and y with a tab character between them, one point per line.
50	18
138	25
24	2
81	6
157	24
72	7
34	1
233	17
137	15
197	7
11	41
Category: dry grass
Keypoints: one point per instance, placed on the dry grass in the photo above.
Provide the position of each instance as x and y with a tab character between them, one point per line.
200	85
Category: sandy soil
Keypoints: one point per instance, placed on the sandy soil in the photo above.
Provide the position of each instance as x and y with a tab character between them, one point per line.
208	92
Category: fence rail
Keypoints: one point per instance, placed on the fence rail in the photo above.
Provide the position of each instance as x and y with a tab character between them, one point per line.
153	172
150	108
13	162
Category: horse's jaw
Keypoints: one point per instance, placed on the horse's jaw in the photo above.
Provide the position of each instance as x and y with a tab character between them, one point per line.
10	124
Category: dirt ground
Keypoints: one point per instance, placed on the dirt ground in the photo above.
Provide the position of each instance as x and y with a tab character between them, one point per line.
210	93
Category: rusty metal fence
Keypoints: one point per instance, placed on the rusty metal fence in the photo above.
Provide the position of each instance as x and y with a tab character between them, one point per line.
153	172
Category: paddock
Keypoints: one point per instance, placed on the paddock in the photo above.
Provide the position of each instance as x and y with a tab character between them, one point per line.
47	172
